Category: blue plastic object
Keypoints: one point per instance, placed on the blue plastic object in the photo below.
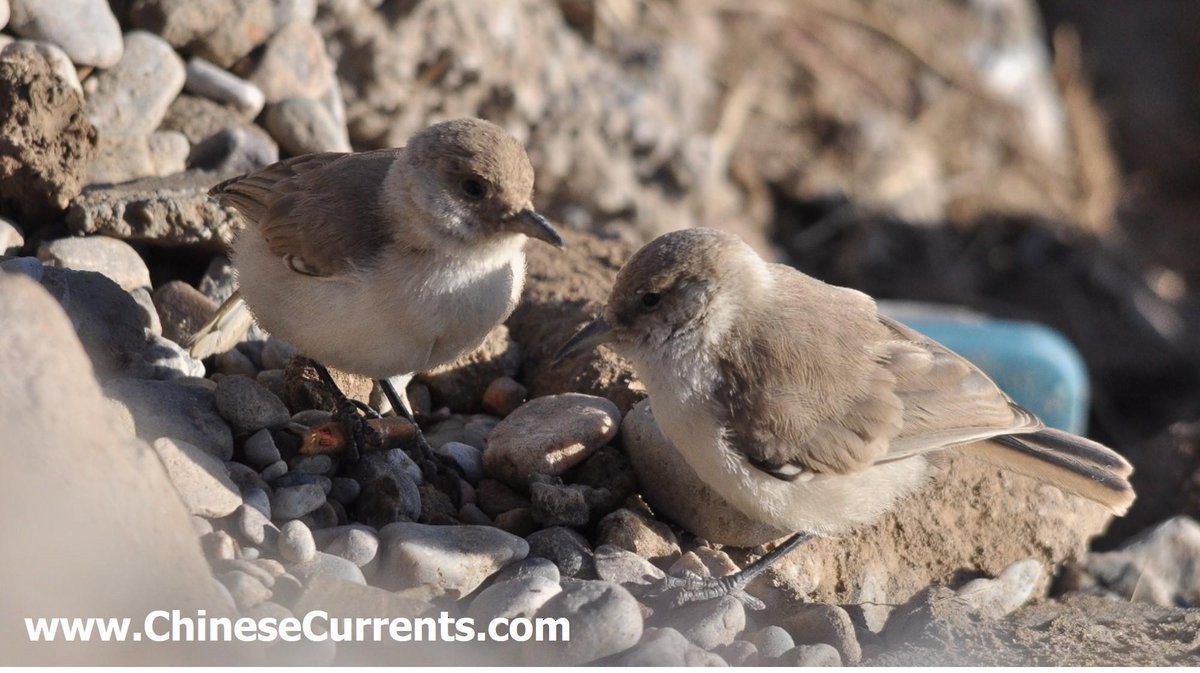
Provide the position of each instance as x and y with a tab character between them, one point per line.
1034	364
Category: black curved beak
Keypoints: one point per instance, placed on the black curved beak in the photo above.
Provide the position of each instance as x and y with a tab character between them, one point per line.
533	225
591	336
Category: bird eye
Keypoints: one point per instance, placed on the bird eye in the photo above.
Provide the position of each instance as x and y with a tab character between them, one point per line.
474	188
650	300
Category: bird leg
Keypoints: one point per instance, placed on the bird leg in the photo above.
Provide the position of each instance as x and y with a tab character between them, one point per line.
434	468
360	434
679	591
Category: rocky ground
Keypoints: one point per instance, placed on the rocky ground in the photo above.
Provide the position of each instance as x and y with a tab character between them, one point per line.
846	139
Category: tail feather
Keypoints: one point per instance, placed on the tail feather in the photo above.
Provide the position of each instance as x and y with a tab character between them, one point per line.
1072	463
224	331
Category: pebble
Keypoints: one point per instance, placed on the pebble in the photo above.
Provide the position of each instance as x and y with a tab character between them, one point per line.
608	473
820	654
566	548
182	308
1156	566
814	623
771	641
288	588
665	647
200	525
710	623
294	64
215	83
245	589
471	514
1012	588
605	619
514	598
255	526
529	567
446	560
293	502
468	458
296	542
473	430
869	605
645	537
260	450
327	566
201	479
239	30
319	464
304	126
494	498
623	567
374	464
121	158
234	149
110	256
11	238
28	266
132	97
277	353
549	435
59	62
503	395
248	406
85	29
248	480
356	543
274	380
234	362
739	653
247	566
145	302
517	521
166	359
344	490
556	504
386	498
219	545
274	471
705	562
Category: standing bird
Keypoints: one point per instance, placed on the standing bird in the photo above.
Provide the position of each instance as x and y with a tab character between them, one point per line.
801	405
382	263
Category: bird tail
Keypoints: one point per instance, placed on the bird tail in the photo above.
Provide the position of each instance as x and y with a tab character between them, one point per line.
224	330
1068	461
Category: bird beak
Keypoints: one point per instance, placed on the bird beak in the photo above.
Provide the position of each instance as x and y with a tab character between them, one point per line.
530	223
594	334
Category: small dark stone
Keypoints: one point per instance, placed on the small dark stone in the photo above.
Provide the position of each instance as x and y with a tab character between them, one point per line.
566	548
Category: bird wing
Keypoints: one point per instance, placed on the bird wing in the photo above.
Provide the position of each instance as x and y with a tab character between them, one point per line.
315	211
819	383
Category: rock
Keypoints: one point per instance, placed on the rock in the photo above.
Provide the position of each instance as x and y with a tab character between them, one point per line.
50	140
495	498
327	566
112	257
121	158
243	565
771	641
512	599
344	490
55	57
468	458
472	430
566	548
132	97
705	562
319	464
220	85
293	502
996	598
234	362
528	567
237	149
814	623
85	29
274	471
260	450
739	653
558	504
4	13
150	319
665	647
304	126
342	599
296	542
221	31
131	542
355	543
305	390
460	384
246	590
444	560
549	435
609	476
711	623
11	238
170	211
389	487
623	567
605	619
812	655
180	411
503	395
293	65
182	309
248	406
200	478
645	537
1157	566
255	526
518	521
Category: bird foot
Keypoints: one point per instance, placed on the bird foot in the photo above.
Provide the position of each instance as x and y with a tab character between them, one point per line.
360	434
675	592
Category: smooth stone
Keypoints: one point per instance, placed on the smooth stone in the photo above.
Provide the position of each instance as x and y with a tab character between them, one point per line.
388	491
771	641
304	126
605	619
294	64
132	97
471	514
168	360
549	435
512	599
445	560
112	257
529	567
234	149
59	62
248	406
566	548
246	566
296	542
85	29
665	647
820	654
260	450
255	526
518	521
274	471
31	267
340	598
182	309
145	302
245	589
344	490
739	653
558	504
1012	588
327	566
200	478
503	396
216	83
11	238
200	525
181	411
468	458
247	479
234	362
356	543
814	623
623	567
495	498
645	537
293	502
393	462
711	623
473	430
319	464
1157	566
122	158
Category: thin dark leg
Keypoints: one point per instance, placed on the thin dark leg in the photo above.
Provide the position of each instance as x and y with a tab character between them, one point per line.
428	461
359	434
683	590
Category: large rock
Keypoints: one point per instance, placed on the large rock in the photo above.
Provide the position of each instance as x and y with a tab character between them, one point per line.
85	29
181	411
112	257
48	139
132	97
95	525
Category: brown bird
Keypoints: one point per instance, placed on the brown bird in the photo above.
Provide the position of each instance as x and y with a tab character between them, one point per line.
382	263
801	405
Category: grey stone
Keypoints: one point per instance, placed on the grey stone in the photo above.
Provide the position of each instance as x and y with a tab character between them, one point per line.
327	566
344	490
294	64
246	566
639	534
445	560
355	543
245	589
274	471
11	238
494	498
255	526
56	57
558	504
566	548
114	258
85	29
121	158
234	149
319	464
145	302
605	619
287	11
219	281
623	567
30	267
199	477
814	623
235	363
388	491
305	126
182	309
131	98
771	641
996	598
1160	565
180	411
216	83
820	654
296	542
739	653
165	359
293	502
473	430
529	567
248	480
513	598
471	514
468	458
666	647
549	435
277	353
711	623
248	406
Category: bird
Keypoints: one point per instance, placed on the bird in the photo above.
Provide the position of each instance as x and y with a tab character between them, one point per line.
801	405
383	263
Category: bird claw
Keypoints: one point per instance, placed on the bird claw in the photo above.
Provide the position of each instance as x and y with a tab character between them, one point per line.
360	434
676	592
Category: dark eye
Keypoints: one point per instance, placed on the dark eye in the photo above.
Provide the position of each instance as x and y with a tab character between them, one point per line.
474	188
650	300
